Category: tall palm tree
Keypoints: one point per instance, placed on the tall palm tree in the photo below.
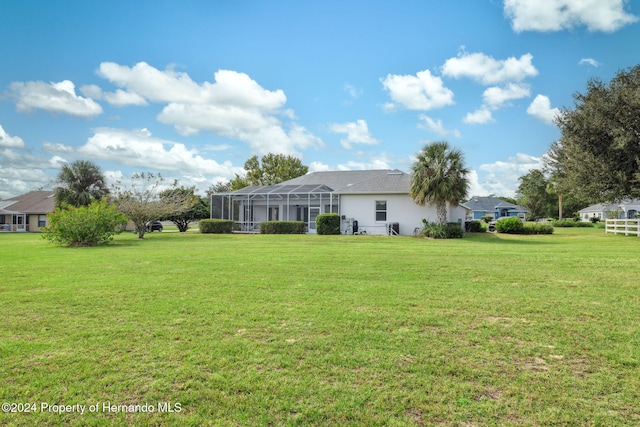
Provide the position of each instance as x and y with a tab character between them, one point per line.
439	177
80	183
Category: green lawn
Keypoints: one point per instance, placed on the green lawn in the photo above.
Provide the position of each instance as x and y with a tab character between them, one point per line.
323	330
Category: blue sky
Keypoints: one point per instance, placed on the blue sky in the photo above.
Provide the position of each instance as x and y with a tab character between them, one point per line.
192	89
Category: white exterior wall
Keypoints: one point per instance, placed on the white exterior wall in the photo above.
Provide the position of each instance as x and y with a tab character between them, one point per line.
400	209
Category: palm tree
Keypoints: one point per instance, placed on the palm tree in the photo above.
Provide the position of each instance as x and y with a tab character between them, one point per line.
80	183
439	177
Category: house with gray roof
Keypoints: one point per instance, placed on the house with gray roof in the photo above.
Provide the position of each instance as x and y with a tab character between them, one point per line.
27	212
368	201
494	207
626	209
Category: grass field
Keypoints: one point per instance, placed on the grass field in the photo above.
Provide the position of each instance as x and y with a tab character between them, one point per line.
322	330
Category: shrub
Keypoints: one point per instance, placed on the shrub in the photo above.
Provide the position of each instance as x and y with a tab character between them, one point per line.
571	223
537	228
511	225
474	227
328	223
215	226
594	219
282	227
451	230
85	225
454	230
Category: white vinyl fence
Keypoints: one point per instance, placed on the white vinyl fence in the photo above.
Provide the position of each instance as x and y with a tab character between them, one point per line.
623	226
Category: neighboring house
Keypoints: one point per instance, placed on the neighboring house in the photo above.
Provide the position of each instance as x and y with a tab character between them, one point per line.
27	212
627	209
494	207
370	201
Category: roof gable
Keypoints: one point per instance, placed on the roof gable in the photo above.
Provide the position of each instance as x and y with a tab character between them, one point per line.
34	202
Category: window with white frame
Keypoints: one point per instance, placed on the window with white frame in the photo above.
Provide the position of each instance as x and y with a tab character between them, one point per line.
381	210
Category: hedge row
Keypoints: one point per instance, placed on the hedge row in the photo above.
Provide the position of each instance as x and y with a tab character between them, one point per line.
215	226
515	226
282	227
571	223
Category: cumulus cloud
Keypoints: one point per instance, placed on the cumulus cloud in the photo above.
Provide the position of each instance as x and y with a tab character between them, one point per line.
435	126
495	97
8	141
479	117
57	98
541	109
501	177
357	133
489	71
421	92
557	15
139	148
234	106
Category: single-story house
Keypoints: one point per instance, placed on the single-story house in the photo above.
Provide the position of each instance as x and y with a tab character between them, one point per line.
368	201
627	209
494	207
27	212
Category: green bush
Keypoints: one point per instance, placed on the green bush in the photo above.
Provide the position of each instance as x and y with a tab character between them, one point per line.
328	223
454	230
85	225
537	228
509	225
475	227
215	226
571	223
451	230
282	227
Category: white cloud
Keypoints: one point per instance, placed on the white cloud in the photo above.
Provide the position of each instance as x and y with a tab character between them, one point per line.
234	106
421	92
541	109
121	98
373	164
589	61
8	141
557	15
53	97
479	117
495	97
489	71
436	126
357	133
501	177
138	148
318	167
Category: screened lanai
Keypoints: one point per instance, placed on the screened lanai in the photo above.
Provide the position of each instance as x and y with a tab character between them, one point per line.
250	206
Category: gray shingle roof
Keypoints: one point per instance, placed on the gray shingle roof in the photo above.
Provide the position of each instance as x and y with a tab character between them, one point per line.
337	180
489	204
384	183
34	202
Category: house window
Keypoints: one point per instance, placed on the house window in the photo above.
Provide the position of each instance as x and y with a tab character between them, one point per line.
42	220
381	210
